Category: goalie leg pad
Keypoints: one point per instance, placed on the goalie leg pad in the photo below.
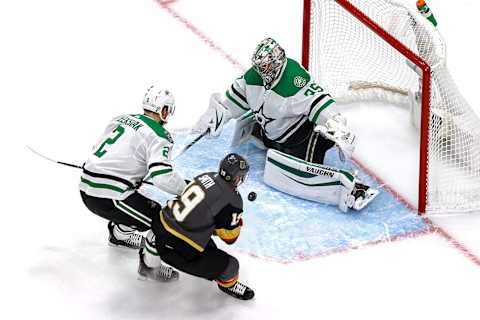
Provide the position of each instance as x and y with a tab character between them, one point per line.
308	180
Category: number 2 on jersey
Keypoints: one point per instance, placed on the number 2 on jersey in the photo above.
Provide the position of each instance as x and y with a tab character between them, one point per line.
190	199
111	140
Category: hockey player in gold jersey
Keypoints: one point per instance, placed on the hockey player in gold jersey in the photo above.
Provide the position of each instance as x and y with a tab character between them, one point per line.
182	232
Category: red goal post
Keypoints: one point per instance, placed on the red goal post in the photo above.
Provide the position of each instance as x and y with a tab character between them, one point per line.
313	11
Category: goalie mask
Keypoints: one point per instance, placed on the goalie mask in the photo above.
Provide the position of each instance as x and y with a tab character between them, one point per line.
234	169
268	60
159	101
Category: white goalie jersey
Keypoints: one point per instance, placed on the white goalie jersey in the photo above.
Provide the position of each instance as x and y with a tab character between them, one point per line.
293	99
133	148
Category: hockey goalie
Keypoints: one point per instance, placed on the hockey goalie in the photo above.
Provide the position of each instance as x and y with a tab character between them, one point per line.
278	104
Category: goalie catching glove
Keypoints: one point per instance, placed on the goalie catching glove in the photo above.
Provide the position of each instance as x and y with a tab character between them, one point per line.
336	130
214	118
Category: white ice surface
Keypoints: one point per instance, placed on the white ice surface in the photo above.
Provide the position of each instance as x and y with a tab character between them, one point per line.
67	67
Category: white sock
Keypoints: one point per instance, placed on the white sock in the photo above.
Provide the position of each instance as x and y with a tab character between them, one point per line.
150	254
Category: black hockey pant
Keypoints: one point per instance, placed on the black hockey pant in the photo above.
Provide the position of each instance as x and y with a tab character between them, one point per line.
304	143
211	264
135	211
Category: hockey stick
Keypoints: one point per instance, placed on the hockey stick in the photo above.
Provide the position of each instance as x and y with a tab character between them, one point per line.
189	145
50	159
69	164
185	148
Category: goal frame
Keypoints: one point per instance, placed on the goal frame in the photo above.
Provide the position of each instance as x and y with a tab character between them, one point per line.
407	53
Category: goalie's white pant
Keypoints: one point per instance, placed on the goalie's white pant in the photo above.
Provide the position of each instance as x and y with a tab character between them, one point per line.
308	180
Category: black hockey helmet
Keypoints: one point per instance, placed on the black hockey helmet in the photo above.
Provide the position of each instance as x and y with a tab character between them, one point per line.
232	166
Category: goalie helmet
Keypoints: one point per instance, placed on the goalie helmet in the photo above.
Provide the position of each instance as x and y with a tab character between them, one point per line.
233	166
268	60
157	100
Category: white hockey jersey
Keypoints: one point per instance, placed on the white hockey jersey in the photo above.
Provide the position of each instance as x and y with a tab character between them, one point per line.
292	100
132	148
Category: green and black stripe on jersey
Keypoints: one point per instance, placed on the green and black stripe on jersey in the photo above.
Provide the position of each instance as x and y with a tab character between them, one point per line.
106	181
318	105
285	137
155	126
158	168
236	97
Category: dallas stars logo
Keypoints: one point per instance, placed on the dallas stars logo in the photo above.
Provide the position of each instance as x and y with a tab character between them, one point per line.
299	82
261	118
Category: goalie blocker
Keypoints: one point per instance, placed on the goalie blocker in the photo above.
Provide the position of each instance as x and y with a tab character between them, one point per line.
316	182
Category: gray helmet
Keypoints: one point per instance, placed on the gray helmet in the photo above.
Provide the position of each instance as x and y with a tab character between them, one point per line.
268	60
232	166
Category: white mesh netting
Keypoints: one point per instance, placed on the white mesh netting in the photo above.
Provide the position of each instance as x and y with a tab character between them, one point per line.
354	64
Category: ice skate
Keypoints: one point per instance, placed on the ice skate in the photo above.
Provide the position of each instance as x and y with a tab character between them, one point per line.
131	239
361	196
162	273
239	291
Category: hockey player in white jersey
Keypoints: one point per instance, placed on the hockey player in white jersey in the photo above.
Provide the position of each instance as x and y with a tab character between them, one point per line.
133	148
279	104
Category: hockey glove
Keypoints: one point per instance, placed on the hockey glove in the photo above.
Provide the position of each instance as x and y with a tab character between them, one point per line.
214	118
336	130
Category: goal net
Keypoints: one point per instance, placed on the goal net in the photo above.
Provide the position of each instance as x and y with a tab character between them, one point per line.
386	51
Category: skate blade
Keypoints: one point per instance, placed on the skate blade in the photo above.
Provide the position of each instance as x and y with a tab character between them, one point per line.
117	246
147	279
372	194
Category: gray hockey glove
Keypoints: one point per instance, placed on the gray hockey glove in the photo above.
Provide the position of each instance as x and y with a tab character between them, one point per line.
336	130
214	118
